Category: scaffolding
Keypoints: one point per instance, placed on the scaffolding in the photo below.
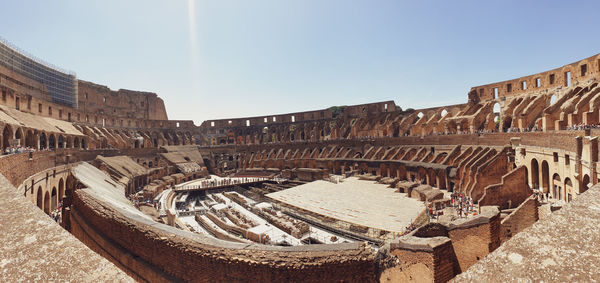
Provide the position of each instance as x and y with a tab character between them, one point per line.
61	84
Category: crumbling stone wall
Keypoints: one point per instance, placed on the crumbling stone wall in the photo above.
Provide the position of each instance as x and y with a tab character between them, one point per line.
521	218
512	191
99	99
474	239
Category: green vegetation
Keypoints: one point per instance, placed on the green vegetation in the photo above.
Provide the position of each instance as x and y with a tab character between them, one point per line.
337	110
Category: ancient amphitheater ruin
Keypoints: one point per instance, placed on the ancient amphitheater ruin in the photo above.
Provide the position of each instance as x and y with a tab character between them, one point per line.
100	185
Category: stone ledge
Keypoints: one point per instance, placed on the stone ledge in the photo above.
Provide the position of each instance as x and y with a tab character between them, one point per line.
35	248
565	247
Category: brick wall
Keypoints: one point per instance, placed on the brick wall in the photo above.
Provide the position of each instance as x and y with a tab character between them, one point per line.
522	217
473	242
513	188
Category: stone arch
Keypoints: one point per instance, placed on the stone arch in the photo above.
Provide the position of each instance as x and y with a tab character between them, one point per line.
545	177
401	172
43	141
422	175
60	143
497	111
553	99
76	142
444	113
556	186
47	203
51	141
61	189
53	199
585	183
431	178
7	135
383	170
535	174
20	136
441	180
30	139
39	198
568	190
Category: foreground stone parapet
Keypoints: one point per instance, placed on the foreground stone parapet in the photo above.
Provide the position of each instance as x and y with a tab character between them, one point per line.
565	247
35	248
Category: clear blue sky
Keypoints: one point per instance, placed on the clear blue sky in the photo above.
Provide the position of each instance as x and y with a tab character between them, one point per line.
226	58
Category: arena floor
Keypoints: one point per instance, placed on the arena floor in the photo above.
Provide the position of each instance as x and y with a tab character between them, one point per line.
355	201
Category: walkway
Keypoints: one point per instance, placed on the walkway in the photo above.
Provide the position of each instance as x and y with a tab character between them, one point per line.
35	248
217	183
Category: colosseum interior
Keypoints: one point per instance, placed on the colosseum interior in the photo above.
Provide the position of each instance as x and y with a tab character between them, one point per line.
101	185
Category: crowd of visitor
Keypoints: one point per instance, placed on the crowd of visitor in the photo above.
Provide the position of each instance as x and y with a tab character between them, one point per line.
56	215
463	204
581	127
17	149
224	182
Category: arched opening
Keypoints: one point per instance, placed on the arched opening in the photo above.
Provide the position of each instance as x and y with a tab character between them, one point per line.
136	144
444	113
19	137
292	137
535	174
422	176
51	142
6	136
553	99
556	187
47	203
431	179
302	135
61	141
568	190
43	141
39	202
61	190
507	121
545	177
420	115
76	142
30	139
383	170
83	143
497	118
585	183
53	199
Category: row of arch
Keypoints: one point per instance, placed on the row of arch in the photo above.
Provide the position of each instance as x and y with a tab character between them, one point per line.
39	139
49	200
94	138
553	184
